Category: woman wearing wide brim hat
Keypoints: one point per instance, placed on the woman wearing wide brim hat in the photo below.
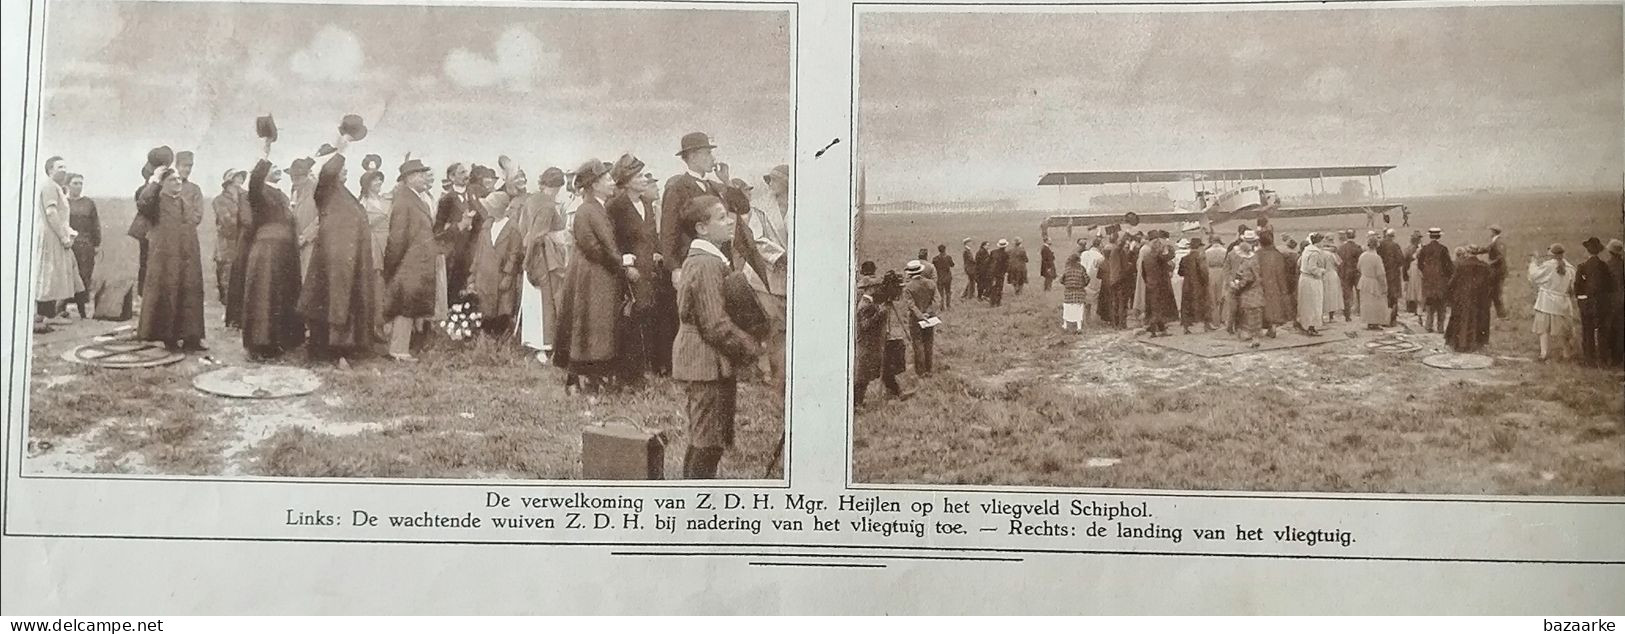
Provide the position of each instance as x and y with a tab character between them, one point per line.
586	342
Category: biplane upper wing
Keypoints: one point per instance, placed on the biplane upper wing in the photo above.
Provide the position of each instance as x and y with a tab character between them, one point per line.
1241	174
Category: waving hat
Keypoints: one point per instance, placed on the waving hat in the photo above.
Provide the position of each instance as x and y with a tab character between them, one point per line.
353	127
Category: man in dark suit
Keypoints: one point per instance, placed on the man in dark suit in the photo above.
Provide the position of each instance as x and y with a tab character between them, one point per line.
1594	288
1433	261
1498	270
944	265
969	258
696	181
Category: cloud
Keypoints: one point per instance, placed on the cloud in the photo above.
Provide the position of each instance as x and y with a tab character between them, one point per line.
517	59
333	55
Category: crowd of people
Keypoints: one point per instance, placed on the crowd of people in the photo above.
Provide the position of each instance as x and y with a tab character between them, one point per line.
1252	286
617	283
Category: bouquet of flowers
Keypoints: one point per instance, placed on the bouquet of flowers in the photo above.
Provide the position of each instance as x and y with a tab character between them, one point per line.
463	319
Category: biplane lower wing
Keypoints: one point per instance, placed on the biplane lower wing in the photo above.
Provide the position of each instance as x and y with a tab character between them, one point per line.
1084	221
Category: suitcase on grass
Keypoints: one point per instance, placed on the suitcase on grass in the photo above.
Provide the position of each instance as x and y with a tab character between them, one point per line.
621	450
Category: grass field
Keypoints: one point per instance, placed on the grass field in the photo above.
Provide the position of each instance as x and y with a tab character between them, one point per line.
468	410
1021	403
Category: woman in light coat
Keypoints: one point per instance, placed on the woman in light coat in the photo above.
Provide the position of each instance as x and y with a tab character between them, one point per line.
1373	287
1315	265
1553	279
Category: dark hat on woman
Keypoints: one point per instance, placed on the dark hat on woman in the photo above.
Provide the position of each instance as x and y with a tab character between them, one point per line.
353	127
627	168
410	167
589	172
1592	245
552	177
695	141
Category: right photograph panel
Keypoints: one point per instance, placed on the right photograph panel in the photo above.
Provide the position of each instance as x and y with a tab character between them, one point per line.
1346	250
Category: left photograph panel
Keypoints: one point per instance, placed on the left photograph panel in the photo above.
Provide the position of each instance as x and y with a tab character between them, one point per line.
532	242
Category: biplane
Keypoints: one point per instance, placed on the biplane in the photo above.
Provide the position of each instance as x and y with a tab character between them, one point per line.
1223	195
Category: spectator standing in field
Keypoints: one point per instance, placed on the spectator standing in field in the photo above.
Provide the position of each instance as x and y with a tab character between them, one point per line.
1348	273
1373	287
1215	259
230	217
869	350
267	280
340	293
1413	275
1074	294
1275	281
1194	306
585	343
1156	276
709	347
968	257
1553	280
1091	258
944	265
1469	295
56	274
1498	270
547	248
998	266
1433	262
1393	265
1314	266
1594	289
87	227
919	297
1046	264
984	271
1615	328
1017	265
172	300
1244	285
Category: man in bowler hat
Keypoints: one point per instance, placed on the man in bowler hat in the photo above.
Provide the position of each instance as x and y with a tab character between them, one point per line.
704	176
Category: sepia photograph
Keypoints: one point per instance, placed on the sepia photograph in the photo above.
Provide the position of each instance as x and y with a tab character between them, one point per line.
1313	249
427	241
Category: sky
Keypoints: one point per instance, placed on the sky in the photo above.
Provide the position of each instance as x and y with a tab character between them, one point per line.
1457	97
545	86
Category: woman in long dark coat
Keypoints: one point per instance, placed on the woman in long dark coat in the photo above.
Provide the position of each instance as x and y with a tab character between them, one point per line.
340	294
267	271
1109	273
1194	296
172	295
1276	282
586	343
1157	273
636	245
1469	293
